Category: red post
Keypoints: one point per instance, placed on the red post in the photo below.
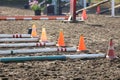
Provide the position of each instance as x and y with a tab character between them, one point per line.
73	10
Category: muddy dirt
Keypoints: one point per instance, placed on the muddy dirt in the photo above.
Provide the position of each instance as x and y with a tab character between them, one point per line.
97	30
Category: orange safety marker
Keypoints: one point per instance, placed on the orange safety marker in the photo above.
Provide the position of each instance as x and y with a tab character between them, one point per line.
61	42
43	35
111	52
34	31
81	46
84	15
98	9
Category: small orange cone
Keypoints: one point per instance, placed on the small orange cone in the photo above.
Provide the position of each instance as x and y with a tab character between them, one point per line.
43	35
98	9
61	42
81	46
84	15
111	53
34	31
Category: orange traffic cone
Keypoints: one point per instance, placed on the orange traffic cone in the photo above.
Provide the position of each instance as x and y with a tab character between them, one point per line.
84	15
34	31
81	46
61	42
43	35
111	53
98	9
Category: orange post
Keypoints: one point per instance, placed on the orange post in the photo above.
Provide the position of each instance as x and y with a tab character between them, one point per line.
61	42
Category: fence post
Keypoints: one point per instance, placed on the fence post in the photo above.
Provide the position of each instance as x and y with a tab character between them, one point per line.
113	9
73	10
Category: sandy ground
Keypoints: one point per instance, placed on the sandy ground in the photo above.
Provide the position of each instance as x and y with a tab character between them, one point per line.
97	30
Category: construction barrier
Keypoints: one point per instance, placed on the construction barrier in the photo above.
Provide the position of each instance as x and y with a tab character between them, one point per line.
72	15
107	10
28	51
94	5
51	58
33	17
16	45
86	56
15	36
19	40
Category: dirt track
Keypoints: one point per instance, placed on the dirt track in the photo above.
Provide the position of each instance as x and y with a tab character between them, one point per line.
97	30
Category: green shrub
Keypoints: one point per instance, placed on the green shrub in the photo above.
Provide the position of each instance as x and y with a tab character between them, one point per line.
35	7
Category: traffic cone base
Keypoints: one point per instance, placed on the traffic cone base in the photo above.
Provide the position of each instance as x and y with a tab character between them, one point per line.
111	54
85	51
